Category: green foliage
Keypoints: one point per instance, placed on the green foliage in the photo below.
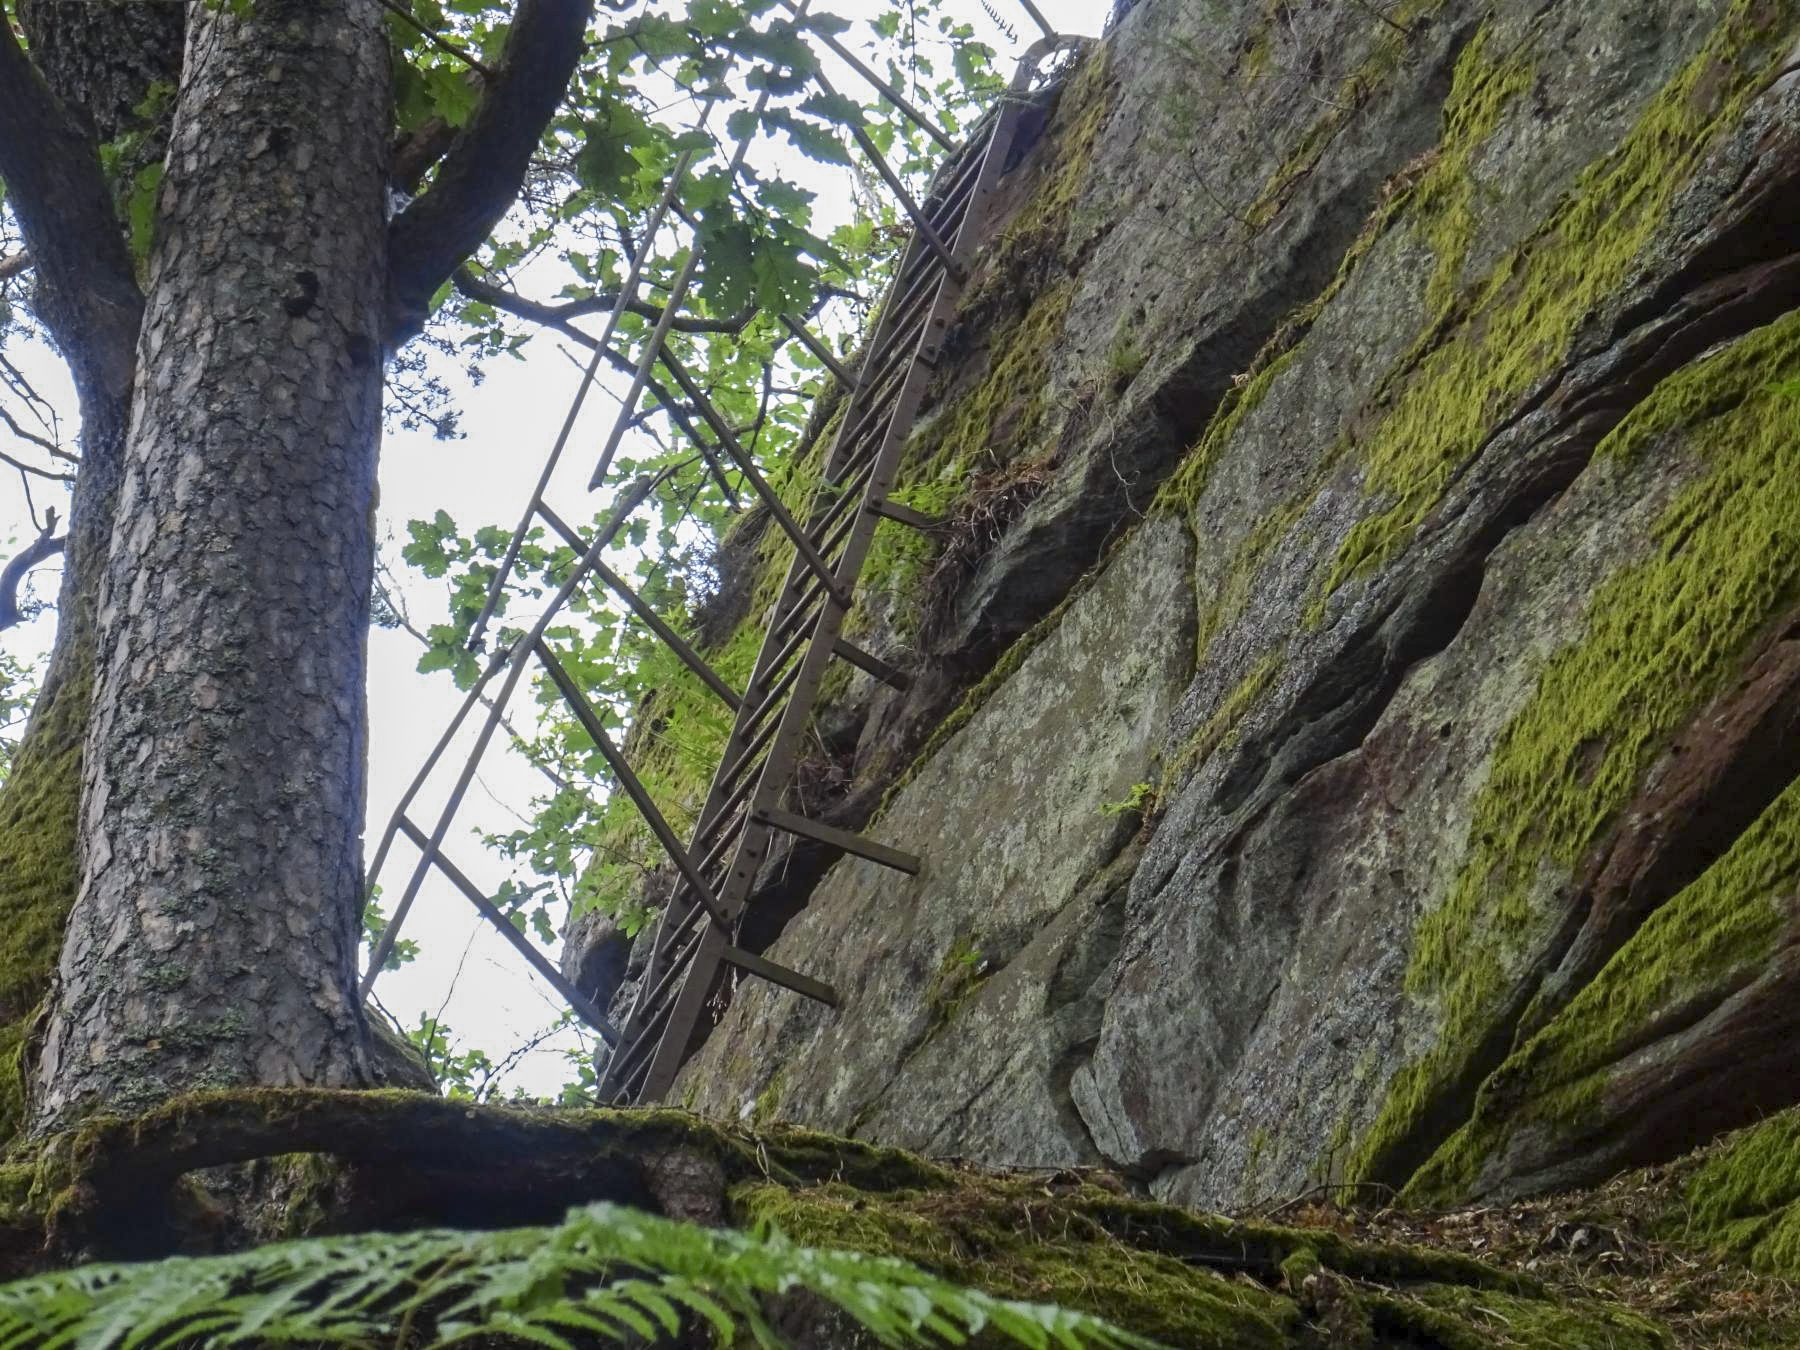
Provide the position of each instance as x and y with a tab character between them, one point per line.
605	1273
1141	800
18	691
374	923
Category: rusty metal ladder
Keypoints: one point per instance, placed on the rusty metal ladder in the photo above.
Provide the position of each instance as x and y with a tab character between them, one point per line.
693	945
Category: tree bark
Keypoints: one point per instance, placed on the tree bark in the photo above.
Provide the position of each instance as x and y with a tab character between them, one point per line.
212	941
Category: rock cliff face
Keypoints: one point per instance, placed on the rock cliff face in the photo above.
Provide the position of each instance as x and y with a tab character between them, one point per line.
1374	457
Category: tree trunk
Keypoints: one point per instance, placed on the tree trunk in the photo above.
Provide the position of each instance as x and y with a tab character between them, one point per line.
213	938
100	61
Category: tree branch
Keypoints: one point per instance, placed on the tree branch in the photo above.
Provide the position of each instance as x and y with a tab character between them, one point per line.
88	296
480	177
12	577
43	443
416	152
11	267
443	44
557	315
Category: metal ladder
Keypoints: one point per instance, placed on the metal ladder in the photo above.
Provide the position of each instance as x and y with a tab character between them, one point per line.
693	945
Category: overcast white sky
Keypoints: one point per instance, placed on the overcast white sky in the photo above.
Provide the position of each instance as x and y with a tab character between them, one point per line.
467	975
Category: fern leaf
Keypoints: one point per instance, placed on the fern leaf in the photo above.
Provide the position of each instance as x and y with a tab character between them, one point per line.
606	1271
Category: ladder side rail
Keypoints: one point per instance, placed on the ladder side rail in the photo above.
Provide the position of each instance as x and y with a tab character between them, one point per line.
644	611
373	873
921	222
615	760
683	1017
520	659
628	295
778	766
893	95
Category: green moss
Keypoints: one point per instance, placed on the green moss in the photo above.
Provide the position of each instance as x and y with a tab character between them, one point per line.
1663	637
1294	1270
1744	1200
768	1101
1046	236
1454	1318
1002	419
304	1186
1487	350
977	1239
1189	1280
1223	723
1181	492
1697	947
39	827
1443	204
959	977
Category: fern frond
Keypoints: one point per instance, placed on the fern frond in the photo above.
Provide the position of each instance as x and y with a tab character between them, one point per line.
607	1273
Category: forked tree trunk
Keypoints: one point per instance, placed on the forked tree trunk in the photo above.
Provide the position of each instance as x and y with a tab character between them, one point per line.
213	939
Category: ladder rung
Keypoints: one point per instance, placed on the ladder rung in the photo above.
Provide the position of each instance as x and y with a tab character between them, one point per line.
753	716
738	776
721	821
940	208
680	960
816	990
860	845
672	944
645	1038
904	299
905	515
884	387
873	665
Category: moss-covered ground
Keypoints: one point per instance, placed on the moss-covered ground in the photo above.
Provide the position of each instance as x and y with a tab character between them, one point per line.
1305	1277
1194	1280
